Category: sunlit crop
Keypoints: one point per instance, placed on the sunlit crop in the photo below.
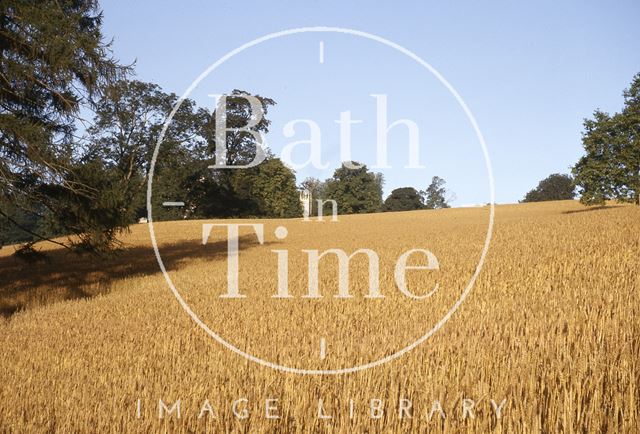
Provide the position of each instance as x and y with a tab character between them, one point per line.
551	326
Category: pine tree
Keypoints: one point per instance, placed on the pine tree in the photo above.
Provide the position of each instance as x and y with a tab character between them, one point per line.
53	63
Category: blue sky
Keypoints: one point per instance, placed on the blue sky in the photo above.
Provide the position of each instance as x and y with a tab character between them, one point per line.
529	72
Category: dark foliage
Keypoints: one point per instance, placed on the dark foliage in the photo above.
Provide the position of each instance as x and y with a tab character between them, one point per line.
553	187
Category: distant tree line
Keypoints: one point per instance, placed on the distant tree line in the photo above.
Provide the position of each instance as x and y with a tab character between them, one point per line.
360	191
408	198
77	135
353	186
103	188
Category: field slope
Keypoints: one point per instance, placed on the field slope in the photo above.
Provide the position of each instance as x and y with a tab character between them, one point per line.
552	326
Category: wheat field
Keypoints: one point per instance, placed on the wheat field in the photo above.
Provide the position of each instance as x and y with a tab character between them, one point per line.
546	341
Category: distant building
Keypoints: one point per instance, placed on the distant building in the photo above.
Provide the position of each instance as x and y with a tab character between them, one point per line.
305	199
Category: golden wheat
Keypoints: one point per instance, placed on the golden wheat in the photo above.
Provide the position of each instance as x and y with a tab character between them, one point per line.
551	327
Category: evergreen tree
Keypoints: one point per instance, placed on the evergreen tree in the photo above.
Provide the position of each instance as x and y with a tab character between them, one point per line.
53	63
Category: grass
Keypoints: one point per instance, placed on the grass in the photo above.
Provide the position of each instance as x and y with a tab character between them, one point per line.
551	326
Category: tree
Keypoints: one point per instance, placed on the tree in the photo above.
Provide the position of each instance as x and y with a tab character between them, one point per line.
403	199
269	189
610	168
241	145
60	175
127	123
355	190
212	192
435	194
554	187
53	63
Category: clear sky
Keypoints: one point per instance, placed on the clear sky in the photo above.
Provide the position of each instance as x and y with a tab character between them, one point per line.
529	71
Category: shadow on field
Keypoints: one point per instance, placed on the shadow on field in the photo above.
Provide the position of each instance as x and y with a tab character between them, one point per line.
593	208
68	276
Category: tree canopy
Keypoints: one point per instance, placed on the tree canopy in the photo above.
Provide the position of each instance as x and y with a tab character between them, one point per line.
213	192
355	190
554	187
77	135
610	168
403	199
53	63
269	188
